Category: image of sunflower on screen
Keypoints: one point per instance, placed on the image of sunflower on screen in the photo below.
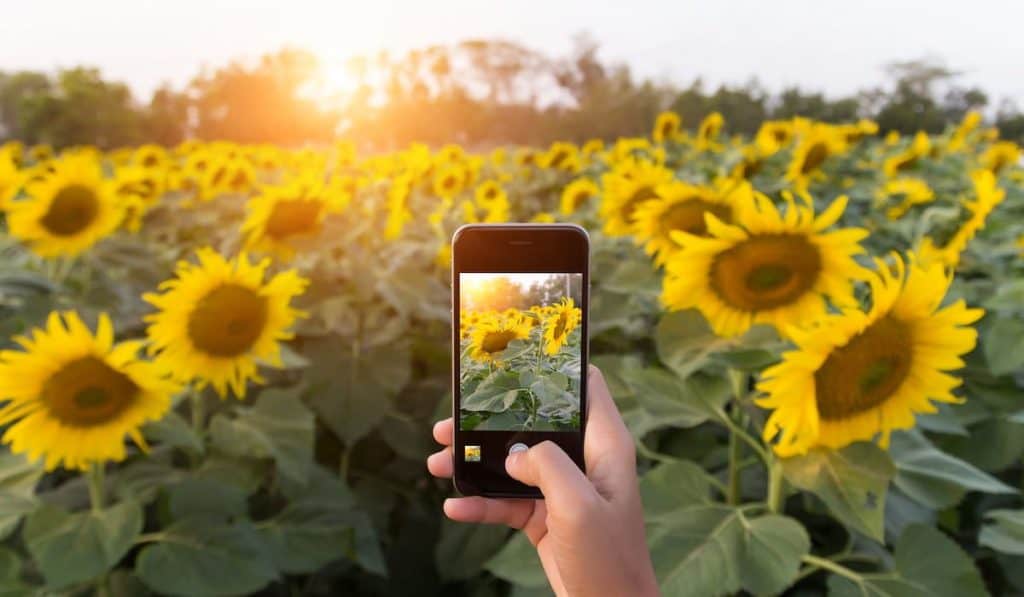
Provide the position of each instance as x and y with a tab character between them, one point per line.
520	349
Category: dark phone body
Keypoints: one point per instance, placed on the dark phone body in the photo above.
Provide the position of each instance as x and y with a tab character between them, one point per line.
511	248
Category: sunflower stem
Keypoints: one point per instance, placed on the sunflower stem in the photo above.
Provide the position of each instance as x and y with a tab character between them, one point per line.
738	382
96	483
735	455
776	484
197	406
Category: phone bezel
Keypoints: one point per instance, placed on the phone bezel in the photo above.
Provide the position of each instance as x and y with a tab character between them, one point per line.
510	248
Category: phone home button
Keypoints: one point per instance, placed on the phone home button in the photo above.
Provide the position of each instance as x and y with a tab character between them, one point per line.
518	447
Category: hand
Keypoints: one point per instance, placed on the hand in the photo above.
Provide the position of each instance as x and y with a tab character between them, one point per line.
589	529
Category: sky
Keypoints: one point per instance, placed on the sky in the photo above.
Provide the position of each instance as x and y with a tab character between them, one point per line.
836	47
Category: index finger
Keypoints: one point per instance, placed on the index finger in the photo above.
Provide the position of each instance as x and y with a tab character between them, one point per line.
444	431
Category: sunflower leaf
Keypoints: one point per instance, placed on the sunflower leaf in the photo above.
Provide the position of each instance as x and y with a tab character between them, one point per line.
496	393
928	557
1004	532
715	550
71	548
518	563
934	478
18	479
199	557
673	485
852	482
1004	345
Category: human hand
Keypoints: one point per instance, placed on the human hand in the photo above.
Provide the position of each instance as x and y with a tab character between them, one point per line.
589	529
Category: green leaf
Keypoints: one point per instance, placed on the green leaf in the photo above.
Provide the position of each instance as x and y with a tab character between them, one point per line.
684	341
206	497
747	359
874	585
852	482
518	563
278	426
667	400
934	478
633	277
495	393
463	549
11	584
351	394
1003	342
927	557
716	550
1004	532
673	485
71	548
198	557
173	430
18	480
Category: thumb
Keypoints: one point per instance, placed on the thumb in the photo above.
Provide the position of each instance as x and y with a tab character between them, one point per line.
548	468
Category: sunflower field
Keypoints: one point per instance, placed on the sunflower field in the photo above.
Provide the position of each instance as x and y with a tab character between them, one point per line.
221	363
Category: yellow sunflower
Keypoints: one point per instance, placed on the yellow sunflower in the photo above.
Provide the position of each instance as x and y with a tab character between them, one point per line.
282	215
766	267
987	195
907	191
561	156
1001	155
576	193
773	136
626	186
681	206
151	156
71	397
68	209
489	192
820	143
138	189
449	180
560	321
909	157
492	335
666	127
958	140
218	317
707	132
861	375
398	206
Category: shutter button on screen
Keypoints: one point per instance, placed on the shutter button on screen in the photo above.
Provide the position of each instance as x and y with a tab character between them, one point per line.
518	447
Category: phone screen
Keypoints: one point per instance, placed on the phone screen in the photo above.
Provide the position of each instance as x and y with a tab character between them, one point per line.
520	351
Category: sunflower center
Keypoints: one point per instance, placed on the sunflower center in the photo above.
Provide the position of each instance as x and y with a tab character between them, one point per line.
668	129
579	198
227	321
292	217
765	272
688	216
865	372
816	155
87	392
558	158
497	341
72	210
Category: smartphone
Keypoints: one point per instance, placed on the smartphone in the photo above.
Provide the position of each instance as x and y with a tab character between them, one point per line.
519	348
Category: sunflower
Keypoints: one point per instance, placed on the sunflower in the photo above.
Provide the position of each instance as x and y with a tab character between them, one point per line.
576	193
71	397
561	156
987	195
861	375
773	136
909	157
908	191
766	267
853	133
592	147
449	180
958	140
560	321
626	186
1001	155
138	189
488	192
666	127
217	318
681	206
707	132
492	335
282	215
151	156
820	143
68	209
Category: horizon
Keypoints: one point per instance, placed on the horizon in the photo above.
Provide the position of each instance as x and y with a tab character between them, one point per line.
150	51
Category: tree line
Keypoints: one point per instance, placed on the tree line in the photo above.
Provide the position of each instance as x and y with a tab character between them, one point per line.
477	92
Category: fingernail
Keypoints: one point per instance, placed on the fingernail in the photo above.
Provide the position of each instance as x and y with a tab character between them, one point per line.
516	448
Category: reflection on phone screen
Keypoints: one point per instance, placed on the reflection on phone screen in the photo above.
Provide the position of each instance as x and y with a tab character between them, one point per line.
520	346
